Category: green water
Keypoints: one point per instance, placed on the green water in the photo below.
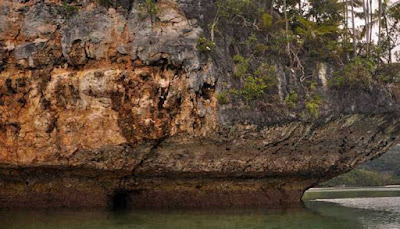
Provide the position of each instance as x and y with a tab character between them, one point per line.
324	208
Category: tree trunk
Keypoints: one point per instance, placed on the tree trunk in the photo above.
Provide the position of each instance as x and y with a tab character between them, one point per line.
286	27
272	9
354	29
371	19
300	12
384	9
380	21
388	40
366	18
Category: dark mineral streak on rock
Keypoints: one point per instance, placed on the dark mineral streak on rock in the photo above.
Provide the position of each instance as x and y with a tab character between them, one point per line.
109	108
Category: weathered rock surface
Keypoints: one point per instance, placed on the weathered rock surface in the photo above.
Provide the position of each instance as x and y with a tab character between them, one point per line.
109	105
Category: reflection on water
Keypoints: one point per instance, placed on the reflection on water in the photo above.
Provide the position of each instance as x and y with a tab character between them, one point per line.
336	193
296	218
382	212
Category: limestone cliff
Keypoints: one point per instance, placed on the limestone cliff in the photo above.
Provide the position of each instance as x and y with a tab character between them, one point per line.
103	105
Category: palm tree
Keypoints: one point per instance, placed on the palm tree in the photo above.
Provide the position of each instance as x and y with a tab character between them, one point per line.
379	21
354	28
366	18
286	27
382	20
371	15
386	9
346	20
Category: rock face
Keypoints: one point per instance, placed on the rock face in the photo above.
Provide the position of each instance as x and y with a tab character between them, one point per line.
112	107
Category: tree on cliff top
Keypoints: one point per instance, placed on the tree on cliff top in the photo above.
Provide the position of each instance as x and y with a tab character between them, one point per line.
339	32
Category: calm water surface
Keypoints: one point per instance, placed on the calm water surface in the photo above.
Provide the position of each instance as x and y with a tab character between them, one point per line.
324	208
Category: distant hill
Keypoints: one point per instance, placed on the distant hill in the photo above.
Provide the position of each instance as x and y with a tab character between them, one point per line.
388	164
379	172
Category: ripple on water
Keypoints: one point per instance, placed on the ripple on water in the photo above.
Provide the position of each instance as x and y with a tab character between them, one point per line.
379	212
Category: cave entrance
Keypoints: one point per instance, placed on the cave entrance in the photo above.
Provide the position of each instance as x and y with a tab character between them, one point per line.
120	200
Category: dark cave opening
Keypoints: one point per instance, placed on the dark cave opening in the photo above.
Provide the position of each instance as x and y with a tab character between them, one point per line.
119	200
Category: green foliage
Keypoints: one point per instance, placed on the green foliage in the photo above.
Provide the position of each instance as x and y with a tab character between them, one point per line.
69	10
326	11
105	3
304	36
389	73
384	170
278	42
242	66
267	73
394	11
259	49
315	30
296	37
231	8
254	88
255	47
319	40
205	45
223	98
149	7
312	105
313	85
356	74
256	85
266	21
251	40
357	178
311	30
291	99
387	163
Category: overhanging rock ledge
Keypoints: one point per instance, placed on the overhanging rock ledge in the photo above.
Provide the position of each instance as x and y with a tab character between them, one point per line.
107	102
